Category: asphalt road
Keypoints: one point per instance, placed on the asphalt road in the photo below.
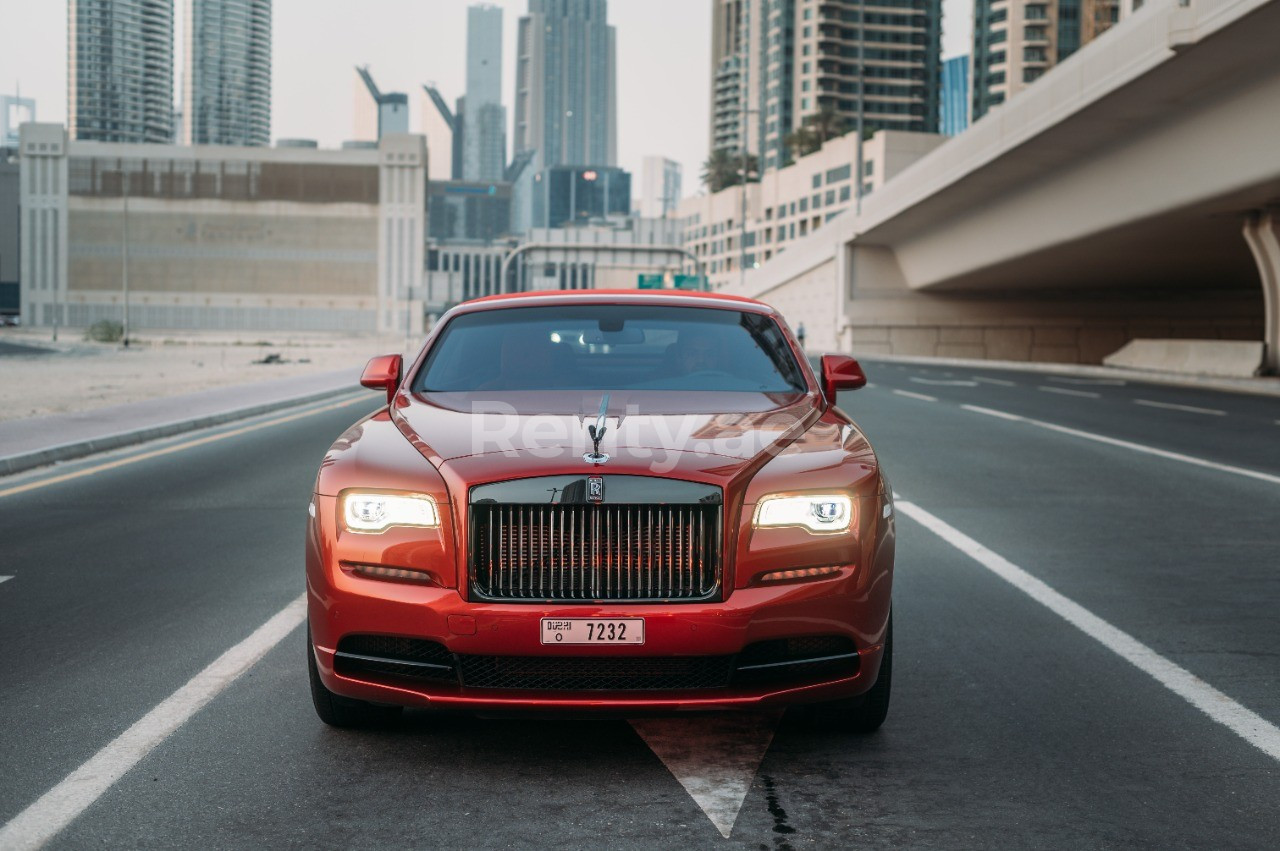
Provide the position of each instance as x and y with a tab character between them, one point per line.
1009	727
8	348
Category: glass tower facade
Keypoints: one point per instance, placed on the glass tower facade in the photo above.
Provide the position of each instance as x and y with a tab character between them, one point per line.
120	70
566	99
955	96
227	75
484	149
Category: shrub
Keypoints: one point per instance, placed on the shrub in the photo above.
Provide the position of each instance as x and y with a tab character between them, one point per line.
105	331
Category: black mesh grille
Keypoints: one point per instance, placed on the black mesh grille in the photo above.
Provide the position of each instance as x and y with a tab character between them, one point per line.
796	660
643	673
595	552
394	655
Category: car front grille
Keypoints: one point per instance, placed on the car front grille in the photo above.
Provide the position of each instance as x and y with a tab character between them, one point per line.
618	673
595	552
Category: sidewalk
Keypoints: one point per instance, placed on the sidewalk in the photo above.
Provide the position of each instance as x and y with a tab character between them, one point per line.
37	441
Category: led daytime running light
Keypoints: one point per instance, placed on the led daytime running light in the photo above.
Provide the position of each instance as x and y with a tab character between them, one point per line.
377	571
799	573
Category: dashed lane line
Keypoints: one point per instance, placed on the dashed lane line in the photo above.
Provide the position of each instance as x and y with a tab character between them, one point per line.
178	447
1105	382
1127	444
999	382
922	397
57	808
1245	723
1190	409
947	382
1066	392
5	578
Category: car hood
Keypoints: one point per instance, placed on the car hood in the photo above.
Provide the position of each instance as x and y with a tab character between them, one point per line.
656	433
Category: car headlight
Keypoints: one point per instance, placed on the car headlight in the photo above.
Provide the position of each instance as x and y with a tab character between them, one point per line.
374	512
823	512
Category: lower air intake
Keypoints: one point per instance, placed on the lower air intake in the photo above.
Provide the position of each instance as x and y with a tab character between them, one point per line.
391	655
646	673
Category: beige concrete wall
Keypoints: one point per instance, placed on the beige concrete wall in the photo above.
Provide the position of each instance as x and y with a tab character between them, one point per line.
223	247
807	301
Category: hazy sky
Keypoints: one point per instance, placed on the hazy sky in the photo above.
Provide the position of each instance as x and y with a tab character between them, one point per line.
663	63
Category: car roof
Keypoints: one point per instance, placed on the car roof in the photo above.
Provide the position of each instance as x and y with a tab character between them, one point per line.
685	298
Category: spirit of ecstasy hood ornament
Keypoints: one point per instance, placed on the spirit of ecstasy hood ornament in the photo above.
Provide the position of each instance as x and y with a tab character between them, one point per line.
596	432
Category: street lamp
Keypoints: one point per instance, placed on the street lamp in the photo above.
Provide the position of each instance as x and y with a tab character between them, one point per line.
124	249
742	239
862	96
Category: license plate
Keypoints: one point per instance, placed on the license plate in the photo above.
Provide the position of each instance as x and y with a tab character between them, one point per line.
593	630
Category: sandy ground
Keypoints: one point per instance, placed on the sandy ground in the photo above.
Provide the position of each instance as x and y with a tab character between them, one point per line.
75	375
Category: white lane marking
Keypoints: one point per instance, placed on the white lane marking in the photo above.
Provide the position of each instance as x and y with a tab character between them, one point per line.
58	807
993	413
1106	382
997	381
1172	407
5	578
1065	392
1136	447
715	758
919	396
947	382
1246	724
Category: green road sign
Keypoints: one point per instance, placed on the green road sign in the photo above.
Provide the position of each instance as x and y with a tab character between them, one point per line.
690	282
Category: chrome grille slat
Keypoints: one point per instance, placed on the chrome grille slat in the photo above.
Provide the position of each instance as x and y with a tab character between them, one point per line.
595	552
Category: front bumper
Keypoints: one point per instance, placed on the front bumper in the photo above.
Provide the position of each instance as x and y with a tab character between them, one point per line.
343	604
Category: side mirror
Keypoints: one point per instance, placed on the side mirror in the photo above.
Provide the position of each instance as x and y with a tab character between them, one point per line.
383	373
840	372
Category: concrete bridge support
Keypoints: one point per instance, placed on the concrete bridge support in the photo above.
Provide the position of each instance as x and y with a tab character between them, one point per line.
1262	232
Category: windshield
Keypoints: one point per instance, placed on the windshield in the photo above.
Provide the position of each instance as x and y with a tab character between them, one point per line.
611	347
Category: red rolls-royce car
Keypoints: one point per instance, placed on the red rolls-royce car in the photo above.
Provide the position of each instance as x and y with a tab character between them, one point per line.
616	501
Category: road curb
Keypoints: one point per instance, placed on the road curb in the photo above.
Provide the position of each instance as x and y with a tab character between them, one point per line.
20	463
1265	387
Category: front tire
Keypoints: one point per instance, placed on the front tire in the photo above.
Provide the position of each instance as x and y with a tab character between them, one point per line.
866	712
338	711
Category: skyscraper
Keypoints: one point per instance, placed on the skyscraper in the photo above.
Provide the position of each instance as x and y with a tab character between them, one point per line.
955	96
778	63
728	73
899	46
1016	41
484	154
226	91
566	84
120	70
775	84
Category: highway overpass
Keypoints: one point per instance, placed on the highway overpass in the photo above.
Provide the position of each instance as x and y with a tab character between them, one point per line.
1132	192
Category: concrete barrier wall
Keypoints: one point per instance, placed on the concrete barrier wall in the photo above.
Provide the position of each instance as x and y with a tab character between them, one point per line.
1234	359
